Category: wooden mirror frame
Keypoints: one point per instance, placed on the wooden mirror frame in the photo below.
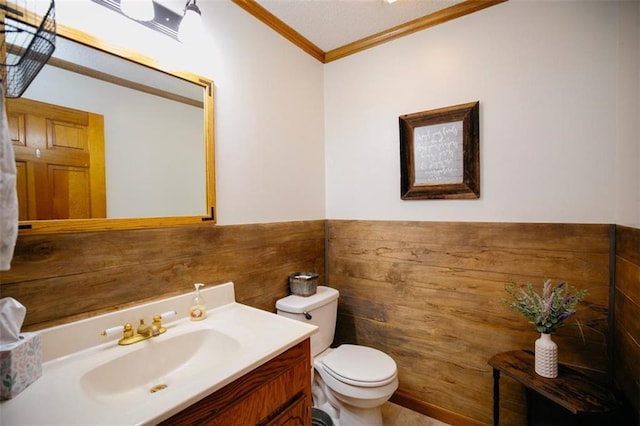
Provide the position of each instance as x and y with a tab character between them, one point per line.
31	227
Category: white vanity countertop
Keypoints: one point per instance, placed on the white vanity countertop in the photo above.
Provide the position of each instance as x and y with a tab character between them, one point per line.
61	397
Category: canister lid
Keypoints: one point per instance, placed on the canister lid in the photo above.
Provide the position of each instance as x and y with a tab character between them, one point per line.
360	365
298	304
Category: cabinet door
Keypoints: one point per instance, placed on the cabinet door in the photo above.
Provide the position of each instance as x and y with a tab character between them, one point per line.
276	393
267	400
296	414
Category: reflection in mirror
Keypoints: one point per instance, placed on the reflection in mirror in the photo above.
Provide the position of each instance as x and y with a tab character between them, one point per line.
157	131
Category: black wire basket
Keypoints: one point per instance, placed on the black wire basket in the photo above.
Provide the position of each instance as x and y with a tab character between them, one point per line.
28	42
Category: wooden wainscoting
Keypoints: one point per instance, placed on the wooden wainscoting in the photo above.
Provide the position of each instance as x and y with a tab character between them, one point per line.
66	277
429	294
626	325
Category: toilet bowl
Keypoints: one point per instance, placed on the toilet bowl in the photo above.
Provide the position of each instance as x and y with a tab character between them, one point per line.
358	375
351	382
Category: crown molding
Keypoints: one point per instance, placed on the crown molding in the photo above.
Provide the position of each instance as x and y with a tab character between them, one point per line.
280	27
436	18
427	21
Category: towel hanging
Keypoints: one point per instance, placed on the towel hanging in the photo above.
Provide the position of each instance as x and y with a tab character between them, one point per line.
8	193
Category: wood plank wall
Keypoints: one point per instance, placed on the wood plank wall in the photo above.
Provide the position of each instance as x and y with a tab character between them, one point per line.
66	277
426	293
429	294
626	325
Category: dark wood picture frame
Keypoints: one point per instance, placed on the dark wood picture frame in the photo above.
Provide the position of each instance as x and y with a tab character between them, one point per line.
440	153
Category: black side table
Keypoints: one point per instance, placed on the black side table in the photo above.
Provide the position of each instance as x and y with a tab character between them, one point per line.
572	390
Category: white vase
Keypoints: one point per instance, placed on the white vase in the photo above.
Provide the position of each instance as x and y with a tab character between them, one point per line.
546	356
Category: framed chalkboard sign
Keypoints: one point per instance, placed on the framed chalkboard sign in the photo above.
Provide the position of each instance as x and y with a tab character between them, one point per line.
440	153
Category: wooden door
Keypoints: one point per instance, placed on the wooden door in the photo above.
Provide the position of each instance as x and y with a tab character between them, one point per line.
59	160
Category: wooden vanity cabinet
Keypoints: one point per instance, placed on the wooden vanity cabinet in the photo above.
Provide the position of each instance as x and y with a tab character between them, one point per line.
278	393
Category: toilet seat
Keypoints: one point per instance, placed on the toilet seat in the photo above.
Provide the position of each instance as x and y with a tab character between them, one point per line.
360	366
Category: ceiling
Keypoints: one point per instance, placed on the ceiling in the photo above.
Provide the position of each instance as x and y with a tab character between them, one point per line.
332	29
331	24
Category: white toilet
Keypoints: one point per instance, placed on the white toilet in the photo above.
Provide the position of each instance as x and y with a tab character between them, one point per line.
351	381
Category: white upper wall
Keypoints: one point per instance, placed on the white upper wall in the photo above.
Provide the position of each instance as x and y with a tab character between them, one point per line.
628	116
545	74
269	121
557	84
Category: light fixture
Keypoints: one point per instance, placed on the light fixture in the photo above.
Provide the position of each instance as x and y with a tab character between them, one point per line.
140	10
191	24
184	27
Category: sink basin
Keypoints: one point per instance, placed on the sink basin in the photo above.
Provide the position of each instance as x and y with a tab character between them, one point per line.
159	363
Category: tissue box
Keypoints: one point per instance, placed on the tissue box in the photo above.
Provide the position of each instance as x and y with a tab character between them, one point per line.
20	364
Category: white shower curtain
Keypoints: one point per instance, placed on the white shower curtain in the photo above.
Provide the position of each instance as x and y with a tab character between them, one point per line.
8	194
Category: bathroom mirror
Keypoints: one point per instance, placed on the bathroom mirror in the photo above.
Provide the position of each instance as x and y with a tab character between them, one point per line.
158	134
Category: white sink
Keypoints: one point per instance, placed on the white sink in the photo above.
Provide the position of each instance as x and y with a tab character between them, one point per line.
89	380
158	363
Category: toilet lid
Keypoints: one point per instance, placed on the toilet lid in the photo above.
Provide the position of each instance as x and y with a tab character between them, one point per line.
360	366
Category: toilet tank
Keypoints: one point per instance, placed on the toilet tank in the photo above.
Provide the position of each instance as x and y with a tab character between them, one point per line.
322	309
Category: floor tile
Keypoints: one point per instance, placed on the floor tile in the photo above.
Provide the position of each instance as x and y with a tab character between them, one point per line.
395	415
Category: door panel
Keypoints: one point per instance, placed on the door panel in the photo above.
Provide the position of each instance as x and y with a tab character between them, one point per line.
60	153
66	184
22	188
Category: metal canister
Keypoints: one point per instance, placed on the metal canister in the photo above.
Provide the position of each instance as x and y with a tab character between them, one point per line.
303	283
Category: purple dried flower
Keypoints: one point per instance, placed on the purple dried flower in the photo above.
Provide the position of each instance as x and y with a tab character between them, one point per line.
564	315
548	311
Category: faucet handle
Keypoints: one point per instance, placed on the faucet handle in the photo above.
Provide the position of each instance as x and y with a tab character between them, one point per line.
113	331
168	314
128	335
125	331
128	331
157	320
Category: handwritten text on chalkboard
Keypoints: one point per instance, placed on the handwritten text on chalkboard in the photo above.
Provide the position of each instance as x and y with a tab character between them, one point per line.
438	154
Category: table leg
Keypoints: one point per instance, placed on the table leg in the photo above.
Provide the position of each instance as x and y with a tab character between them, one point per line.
529	401
496	397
